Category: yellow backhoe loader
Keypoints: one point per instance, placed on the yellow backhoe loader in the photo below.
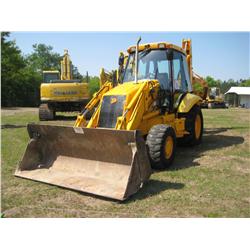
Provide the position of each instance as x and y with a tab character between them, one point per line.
60	92
215	99
135	127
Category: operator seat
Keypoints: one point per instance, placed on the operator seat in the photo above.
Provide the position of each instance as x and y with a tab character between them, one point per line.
163	80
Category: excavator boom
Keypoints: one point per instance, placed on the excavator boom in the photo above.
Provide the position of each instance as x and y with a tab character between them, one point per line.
66	67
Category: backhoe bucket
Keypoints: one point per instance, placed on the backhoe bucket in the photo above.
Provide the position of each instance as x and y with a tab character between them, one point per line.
104	162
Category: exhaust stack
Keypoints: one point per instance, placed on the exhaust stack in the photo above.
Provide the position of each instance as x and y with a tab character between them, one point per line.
136	59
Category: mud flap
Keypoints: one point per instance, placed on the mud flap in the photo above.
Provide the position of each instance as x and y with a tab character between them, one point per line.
104	162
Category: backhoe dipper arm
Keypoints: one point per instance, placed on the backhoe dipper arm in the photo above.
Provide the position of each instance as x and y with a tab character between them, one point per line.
81	121
194	77
187	46
201	81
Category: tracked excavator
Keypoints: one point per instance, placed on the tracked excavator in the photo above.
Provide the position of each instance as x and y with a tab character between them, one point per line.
59	92
135	128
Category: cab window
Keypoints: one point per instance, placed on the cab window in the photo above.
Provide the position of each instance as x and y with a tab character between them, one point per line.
180	78
190	89
163	74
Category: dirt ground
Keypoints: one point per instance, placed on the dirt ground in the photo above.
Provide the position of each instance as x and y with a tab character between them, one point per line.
17	110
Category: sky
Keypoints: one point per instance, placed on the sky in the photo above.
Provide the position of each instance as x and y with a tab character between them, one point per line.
223	55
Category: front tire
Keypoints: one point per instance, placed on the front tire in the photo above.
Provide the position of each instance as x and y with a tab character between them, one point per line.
194	125
161	143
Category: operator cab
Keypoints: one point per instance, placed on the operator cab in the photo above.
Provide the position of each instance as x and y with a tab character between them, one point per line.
214	92
162	65
167	65
49	76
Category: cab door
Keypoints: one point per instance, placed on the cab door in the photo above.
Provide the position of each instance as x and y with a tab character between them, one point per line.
181	79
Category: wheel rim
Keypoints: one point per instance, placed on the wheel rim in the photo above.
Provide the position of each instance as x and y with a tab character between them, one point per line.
197	126
169	147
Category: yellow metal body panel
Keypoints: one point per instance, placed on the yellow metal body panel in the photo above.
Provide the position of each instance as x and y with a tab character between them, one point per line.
188	102
63	92
140	111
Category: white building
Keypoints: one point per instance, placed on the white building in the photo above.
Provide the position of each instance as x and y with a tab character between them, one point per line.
238	96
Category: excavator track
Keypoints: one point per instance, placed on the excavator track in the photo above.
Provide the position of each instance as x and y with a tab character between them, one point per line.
46	113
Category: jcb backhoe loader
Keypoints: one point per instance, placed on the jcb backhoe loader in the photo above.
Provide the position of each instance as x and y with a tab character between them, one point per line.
135	127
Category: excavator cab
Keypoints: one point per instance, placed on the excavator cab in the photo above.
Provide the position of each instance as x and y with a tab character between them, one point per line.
215	98
214	92
49	76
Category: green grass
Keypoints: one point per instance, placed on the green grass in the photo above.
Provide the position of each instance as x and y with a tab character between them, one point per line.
210	180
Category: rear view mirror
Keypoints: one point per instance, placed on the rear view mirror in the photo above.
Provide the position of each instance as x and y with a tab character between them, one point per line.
121	59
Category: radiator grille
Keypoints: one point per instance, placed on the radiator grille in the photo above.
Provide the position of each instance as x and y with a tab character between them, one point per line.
112	107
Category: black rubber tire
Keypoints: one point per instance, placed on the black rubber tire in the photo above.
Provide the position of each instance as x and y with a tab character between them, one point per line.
155	142
46	113
191	140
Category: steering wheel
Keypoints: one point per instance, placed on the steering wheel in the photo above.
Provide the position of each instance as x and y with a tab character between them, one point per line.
151	75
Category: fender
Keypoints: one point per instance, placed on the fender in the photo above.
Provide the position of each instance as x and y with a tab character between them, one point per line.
187	102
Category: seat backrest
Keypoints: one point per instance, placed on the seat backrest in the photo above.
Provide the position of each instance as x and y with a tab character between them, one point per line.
163	80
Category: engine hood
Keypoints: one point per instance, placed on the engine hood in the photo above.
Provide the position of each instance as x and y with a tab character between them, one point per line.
129	88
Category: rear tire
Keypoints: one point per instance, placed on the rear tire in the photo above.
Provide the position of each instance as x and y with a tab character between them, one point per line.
161	143
194	125
46	113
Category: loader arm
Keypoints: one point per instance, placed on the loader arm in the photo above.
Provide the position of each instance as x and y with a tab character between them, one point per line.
81	118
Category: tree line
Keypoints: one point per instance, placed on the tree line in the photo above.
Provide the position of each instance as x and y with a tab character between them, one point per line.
226	85
21	75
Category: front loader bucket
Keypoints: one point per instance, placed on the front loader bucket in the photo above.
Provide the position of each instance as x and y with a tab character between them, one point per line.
105	162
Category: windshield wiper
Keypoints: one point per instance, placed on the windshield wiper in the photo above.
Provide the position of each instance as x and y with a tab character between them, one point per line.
144	53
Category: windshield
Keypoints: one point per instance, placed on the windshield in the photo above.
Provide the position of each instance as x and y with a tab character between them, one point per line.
152	64
215	92
48	77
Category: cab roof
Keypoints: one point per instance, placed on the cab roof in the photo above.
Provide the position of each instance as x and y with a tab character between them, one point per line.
51	71
159	45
